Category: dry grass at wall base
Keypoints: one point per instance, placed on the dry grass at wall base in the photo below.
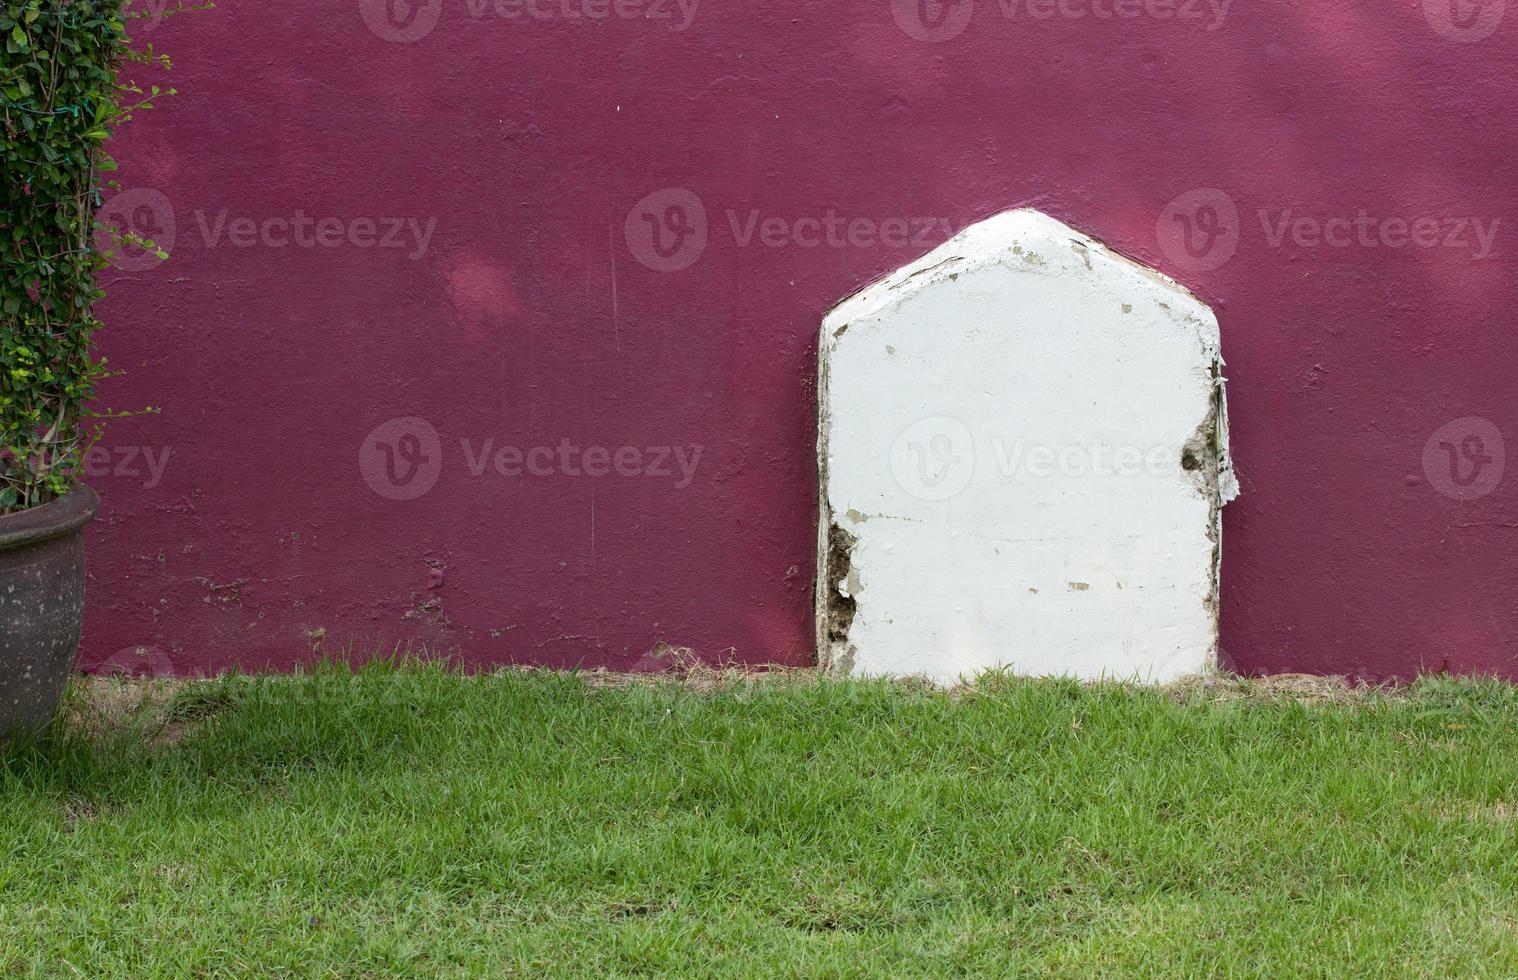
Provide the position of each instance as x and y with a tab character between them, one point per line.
411	819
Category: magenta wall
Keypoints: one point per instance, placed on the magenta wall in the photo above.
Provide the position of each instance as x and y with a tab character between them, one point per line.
526	304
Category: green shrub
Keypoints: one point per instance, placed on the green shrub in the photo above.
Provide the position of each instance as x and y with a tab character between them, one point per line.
63	95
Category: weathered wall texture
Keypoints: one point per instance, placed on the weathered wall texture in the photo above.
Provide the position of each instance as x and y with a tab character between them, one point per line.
493	325
1024	458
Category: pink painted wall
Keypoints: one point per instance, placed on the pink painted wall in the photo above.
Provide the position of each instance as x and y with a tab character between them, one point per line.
525	304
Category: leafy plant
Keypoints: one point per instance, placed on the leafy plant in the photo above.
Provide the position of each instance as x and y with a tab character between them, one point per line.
62	94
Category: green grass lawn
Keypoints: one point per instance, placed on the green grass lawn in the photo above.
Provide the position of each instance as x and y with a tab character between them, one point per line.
416	821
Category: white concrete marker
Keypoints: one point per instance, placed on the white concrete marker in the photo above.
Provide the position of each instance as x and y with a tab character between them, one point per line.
1024	453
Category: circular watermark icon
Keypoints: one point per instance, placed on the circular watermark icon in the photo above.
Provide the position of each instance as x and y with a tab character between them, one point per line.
1199	231
400	21
1465	458
140	213
1464	20
144	16
932	21
666	231
402	458
934	459
136	661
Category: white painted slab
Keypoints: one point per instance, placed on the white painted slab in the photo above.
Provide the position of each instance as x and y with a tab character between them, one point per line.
1003	426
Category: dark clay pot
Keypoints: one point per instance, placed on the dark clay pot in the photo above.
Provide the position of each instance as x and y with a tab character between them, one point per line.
41	606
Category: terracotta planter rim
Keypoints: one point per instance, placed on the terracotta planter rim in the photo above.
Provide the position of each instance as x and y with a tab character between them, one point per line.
53	519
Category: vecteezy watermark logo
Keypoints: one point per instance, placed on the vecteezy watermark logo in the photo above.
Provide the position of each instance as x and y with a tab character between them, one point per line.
133	463
306	231
933	21
1199	231
934	459
402	458
145	15
596	462
137	662
400	21
834	230
403	21
135	229
1366	230
1465	458
1464	20
666	231
1171	10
